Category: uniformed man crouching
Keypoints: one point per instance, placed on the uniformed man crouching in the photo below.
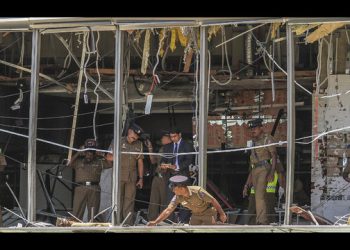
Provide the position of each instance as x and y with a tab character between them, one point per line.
204	207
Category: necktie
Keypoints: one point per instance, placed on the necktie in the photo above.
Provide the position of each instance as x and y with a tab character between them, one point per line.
175	152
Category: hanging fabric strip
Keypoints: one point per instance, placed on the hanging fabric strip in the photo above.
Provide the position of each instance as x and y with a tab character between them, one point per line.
145	55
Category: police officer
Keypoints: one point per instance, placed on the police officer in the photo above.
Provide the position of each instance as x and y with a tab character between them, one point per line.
204	207
263	164
128	179
88	170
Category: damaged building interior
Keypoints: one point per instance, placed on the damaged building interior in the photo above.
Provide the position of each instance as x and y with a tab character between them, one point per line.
206	76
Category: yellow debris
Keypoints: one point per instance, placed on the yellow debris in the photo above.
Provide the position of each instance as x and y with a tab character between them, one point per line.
188	60
274	28
199	39
161	42
323	31
173	40
300	29
182	38
138	36
145	54
212	31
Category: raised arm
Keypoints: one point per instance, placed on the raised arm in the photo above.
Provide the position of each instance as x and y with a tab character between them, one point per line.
74	158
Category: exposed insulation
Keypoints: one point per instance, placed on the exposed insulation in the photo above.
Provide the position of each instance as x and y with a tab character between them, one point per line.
183	39
212	31
137	37
145	54
188	60
323	31
275	27
173	40
198	39
300	29
161	42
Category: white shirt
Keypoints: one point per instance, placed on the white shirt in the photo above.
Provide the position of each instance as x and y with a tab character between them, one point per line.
176	158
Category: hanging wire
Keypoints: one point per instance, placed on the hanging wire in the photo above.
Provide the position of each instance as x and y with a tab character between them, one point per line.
97	86
59	80
227	62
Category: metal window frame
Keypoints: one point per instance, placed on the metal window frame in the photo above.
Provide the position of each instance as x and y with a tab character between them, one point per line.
119	26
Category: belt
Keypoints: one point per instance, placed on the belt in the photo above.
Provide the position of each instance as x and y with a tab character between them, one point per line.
260	164
88	183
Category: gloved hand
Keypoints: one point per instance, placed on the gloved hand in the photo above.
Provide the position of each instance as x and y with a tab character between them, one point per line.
280	192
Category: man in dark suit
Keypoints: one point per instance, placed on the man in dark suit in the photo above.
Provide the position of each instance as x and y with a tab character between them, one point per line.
178	164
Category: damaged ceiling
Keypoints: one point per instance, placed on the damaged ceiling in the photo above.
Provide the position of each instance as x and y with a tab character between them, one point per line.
169	53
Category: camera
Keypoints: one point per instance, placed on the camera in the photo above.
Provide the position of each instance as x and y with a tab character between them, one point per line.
145	137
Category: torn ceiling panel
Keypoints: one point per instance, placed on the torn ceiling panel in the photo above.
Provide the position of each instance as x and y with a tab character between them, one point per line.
275	27
300	29
323	31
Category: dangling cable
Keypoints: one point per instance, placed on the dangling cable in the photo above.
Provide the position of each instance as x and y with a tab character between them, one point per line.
97	85
155	76
273	72
22	56
68	59
85	64
227	62
165	54
195	46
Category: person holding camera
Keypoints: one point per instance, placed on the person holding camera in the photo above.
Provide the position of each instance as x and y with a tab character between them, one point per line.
88	167
128	179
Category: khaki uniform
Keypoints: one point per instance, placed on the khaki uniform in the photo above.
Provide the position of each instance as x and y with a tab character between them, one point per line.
199	202
128	177
270	201
158	200
260	168
270	208
84	194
